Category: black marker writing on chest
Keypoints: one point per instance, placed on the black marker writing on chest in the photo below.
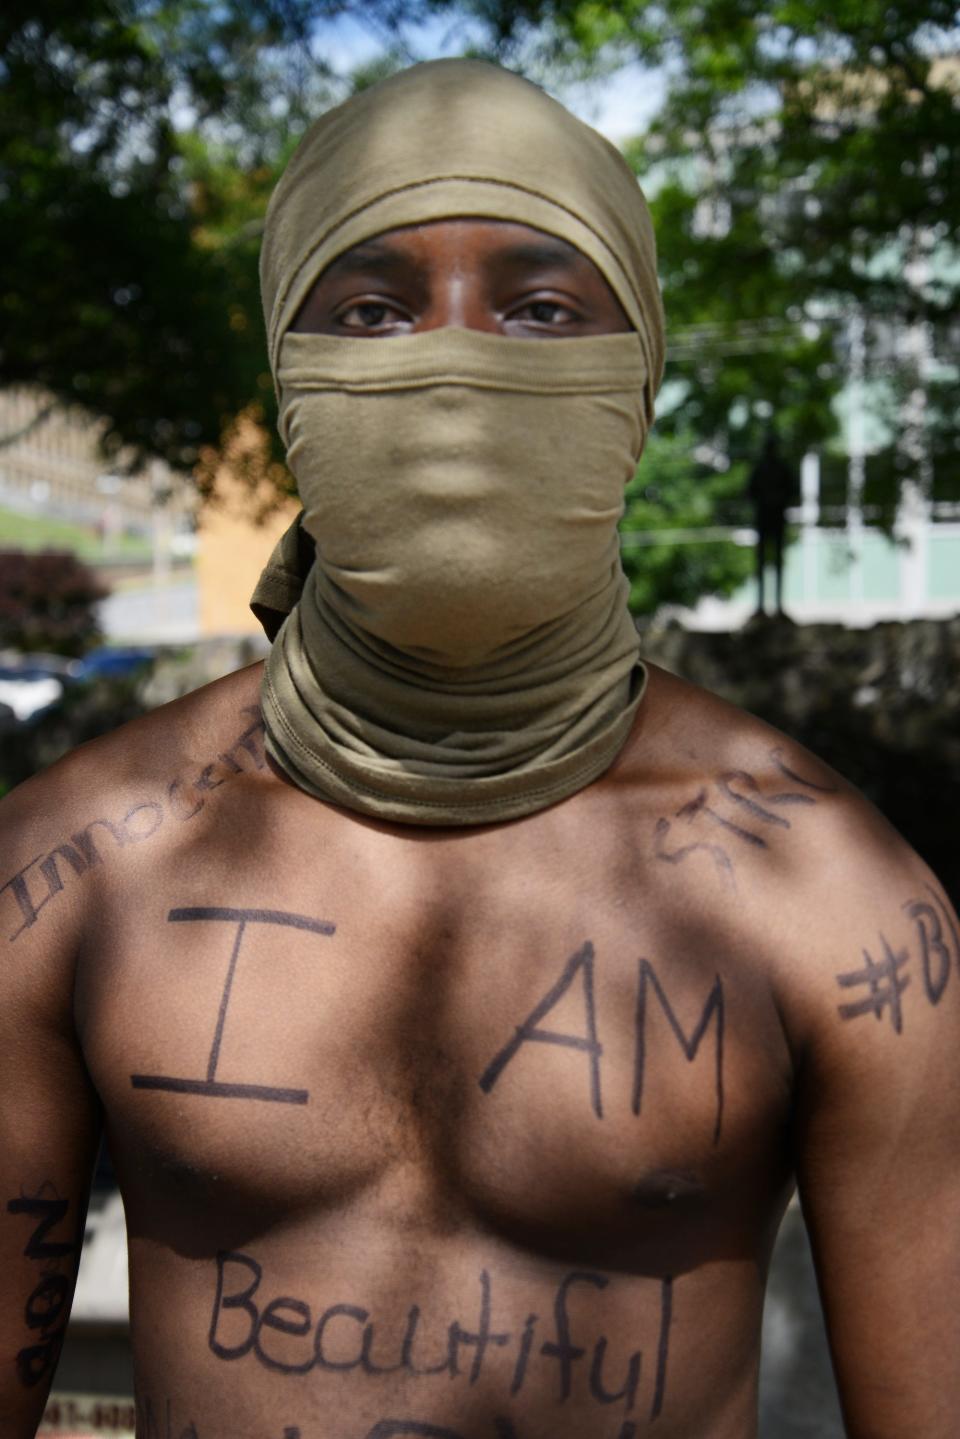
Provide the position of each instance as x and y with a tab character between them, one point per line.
580	968
209	1085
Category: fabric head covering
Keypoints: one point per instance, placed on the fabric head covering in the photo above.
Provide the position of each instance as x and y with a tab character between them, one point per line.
461	651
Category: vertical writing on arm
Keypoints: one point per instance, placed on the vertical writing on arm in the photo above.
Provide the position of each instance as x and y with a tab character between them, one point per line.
46	1309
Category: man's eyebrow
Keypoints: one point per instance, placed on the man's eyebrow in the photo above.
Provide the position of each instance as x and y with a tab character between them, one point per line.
371	256
538	254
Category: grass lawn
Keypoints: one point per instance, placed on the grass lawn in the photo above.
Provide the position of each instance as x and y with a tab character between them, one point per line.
36	532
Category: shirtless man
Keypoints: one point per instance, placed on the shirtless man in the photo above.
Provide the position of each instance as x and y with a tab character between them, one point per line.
477	1129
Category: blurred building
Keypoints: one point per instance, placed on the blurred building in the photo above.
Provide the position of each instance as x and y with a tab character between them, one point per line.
135	529
844	566
178	570
52	470
238	526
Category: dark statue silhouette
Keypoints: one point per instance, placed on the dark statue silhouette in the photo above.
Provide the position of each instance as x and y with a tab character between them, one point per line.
772	487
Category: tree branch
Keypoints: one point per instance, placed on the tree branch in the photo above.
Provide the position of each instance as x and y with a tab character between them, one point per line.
29	427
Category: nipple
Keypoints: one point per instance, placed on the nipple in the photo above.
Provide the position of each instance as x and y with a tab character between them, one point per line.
665	1188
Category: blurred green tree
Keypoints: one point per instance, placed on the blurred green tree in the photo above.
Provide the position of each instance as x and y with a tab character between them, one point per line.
677	506
804	171
139	142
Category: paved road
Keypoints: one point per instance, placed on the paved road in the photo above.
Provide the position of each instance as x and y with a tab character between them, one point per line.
166	615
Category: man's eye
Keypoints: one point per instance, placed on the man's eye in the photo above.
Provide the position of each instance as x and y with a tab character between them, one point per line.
546	312
368	315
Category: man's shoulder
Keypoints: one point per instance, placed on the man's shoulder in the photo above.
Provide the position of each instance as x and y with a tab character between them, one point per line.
687	737
144	750
142	782
759	815
774	846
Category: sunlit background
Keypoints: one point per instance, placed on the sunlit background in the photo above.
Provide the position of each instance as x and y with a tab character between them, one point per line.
792	536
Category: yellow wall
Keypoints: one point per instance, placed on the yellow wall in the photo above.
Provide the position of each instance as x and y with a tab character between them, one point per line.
233	548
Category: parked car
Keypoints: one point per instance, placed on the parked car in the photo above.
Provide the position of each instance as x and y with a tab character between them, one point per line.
29	689
30	684
112	662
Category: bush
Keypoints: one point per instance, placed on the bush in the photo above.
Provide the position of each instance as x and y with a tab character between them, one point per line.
47	602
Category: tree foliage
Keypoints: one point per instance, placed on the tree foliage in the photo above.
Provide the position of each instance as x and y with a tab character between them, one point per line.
139	142
672	501
803	168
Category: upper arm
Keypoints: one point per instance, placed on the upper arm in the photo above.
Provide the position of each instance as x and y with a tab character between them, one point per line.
49	1127
878	1133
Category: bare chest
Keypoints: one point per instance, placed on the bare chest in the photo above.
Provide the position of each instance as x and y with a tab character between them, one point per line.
478	1035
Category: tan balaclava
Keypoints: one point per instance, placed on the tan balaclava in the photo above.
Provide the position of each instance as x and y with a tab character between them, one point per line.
461	652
